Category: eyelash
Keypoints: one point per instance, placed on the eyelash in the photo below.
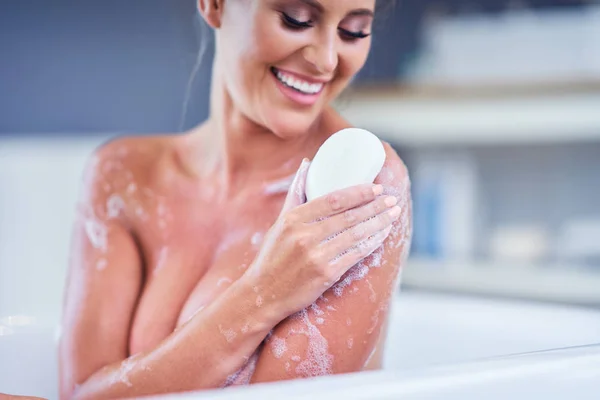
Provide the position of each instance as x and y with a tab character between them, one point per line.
294	24
354	35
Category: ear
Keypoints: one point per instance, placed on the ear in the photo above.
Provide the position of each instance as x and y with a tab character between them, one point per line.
211	11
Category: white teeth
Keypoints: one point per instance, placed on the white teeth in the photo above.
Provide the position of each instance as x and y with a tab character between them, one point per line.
301	86
298	85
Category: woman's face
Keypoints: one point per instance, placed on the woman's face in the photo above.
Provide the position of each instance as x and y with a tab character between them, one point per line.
283	61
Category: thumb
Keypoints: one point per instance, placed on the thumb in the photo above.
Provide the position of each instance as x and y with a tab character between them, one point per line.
296	193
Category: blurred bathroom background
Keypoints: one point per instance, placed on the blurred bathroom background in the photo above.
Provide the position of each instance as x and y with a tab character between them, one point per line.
493	104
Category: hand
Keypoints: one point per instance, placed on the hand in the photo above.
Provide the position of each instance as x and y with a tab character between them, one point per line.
312	245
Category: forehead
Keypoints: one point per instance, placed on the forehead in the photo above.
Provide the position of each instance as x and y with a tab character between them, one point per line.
335	5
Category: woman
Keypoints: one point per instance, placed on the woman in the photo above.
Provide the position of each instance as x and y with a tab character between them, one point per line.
191	267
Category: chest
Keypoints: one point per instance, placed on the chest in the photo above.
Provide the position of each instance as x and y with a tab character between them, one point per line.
192	257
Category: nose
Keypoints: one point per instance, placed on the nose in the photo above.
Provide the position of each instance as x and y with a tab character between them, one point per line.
323	53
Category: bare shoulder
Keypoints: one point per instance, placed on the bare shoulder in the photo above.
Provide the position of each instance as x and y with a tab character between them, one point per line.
394	171
135	153
394	177
121	167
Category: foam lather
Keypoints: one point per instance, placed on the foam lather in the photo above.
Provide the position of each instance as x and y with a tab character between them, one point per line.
349	157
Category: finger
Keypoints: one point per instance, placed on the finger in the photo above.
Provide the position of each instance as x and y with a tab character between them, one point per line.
296	193
343	221
344	261
338	202
355	235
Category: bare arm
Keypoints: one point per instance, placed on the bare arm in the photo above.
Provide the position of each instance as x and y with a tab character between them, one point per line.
291	272
338	334
104	284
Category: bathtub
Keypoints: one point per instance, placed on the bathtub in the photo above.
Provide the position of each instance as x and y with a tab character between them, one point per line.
572	373
427	331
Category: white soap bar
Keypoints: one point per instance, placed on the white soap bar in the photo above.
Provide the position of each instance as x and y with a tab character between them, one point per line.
349	157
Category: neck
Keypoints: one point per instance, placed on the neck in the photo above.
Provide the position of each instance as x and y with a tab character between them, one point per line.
244	152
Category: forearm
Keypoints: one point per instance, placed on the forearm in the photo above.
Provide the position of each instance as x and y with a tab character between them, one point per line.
203	353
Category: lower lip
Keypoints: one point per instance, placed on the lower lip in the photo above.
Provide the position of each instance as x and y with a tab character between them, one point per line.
296	96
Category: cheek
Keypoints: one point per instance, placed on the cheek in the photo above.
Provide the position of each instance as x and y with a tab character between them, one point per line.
272	43
253	49
354	58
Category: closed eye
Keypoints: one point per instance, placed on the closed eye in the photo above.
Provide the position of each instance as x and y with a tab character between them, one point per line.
293	23
349	35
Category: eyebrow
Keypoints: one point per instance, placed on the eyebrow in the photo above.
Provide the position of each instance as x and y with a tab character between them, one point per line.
319	7
361	12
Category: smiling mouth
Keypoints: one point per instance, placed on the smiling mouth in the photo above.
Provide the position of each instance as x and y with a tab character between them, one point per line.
297	84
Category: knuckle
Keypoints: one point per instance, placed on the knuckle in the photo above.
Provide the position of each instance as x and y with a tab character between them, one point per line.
366	194
313	259
335	201
350	217
357	233
378	206
290	221
384	219
358	249
303	243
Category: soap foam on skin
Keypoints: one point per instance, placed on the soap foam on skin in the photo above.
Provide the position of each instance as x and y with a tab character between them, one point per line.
356	273
114	206
373	296
278	346
229	334
244	374
256	239
97	234
377	257
318	360
125	369
131	188
280	186
316	309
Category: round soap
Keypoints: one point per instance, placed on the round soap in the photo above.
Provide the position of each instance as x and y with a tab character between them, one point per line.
349	157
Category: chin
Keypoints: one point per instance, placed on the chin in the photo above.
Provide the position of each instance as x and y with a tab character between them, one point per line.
290	125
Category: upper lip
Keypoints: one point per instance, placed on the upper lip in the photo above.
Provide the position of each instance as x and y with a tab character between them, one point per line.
303	77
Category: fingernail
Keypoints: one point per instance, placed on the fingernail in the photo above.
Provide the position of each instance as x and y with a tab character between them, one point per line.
391	201
377	190
395	212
